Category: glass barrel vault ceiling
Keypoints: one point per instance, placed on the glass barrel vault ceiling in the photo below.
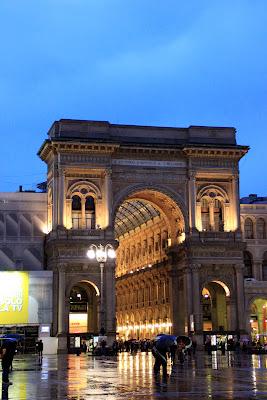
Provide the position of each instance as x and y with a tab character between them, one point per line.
133	213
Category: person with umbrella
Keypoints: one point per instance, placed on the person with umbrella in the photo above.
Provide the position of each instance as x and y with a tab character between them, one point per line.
7	354
184	343
161	346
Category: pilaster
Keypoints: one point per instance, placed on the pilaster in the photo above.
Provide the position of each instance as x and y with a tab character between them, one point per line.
196	298
108	191
192	199
240	296
236	205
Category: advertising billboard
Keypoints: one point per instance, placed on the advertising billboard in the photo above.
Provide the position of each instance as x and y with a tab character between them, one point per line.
14	298
78	323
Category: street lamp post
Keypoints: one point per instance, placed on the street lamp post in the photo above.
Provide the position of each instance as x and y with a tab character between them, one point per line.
101	254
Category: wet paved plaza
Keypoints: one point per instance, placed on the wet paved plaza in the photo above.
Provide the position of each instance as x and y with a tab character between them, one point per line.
130	377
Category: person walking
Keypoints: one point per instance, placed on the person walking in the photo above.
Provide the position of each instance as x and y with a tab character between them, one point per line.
7	355
40	348
13	349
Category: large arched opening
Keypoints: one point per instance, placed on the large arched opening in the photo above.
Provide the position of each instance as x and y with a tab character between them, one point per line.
216	314
147	222
214	306
83	315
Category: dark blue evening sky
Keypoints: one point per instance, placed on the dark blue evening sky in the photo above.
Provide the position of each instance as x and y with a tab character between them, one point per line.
149	62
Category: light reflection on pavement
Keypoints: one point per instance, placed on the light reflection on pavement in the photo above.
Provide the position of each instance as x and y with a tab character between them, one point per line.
130	377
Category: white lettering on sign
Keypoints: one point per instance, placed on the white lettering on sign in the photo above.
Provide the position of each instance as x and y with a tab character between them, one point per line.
150	163
11	302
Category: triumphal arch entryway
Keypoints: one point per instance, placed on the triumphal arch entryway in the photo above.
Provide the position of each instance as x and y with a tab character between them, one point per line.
167	199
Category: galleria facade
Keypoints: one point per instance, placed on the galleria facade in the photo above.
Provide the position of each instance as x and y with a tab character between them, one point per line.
191	258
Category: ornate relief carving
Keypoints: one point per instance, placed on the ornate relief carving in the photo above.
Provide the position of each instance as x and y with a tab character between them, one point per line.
84	158
213	162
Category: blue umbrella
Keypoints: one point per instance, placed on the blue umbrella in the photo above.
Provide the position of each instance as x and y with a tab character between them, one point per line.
13	336
165	341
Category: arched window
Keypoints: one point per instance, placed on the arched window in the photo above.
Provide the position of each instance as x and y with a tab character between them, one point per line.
90	204
76	207
76	203
83	212
261	229
264	266
212	213
90	212
248	260
248	229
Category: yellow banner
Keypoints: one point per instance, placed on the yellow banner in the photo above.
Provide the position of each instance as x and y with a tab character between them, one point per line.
14	298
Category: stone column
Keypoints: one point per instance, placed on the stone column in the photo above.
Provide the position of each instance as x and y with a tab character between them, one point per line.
61	197
108	189
226	217
236	205
83	212
174	301
192	199
102	296
188	296
260	316
211	214
68	210
240	296
55	194
109	291
231	319
62	317
196	298
55	302
198	216
49	217
61	301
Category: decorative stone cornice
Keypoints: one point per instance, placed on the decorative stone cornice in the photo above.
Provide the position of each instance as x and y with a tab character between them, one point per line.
74	147
211	152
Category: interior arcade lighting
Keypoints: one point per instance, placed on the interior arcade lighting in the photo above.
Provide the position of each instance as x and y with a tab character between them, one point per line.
101	254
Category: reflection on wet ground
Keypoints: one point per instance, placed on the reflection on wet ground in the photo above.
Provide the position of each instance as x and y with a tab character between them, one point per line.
232	376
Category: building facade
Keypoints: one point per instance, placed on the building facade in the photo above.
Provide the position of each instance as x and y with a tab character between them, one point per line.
254	223
25	285
167	199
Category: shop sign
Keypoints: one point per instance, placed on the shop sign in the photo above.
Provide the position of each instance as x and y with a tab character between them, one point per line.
14	298
78	307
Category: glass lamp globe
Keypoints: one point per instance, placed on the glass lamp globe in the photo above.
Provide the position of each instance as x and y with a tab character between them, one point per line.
111	253
91	254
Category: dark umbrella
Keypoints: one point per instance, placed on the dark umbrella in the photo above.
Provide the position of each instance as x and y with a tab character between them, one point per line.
185	340
13	337
165	341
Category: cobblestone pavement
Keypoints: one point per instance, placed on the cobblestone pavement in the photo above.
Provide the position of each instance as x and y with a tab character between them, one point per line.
130	377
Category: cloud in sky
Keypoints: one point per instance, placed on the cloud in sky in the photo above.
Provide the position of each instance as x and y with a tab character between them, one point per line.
143	62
